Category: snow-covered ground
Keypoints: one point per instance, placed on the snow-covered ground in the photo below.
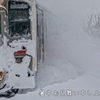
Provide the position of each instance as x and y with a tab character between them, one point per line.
72	57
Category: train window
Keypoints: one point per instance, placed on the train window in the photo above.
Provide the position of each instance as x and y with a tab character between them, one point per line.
19	22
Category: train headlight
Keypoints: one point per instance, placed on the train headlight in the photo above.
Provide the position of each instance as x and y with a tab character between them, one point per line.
1	76
1	3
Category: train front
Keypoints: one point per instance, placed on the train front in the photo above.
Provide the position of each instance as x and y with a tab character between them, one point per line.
18	56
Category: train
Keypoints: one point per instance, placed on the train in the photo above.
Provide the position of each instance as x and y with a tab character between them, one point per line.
21	45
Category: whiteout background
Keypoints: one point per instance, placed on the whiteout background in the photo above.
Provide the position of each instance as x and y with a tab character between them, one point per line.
72	57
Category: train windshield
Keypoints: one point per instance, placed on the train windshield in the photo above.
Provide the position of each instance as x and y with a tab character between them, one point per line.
19	22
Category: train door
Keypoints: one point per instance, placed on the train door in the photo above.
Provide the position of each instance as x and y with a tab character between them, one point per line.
1	42
40	34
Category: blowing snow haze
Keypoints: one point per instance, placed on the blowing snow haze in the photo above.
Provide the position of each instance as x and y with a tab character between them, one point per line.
71	51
